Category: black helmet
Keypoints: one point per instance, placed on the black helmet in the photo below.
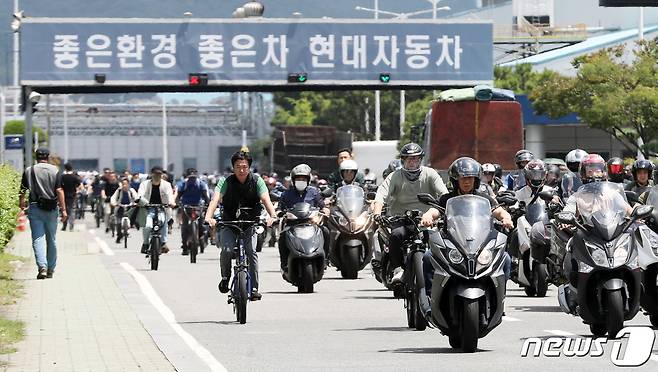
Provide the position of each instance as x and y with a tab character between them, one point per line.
392	167
499	171
642	164
535	173
411	149
465	167
616	170
523	156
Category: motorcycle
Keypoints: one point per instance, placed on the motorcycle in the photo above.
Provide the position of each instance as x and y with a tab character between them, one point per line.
529	264
465	271
352	233
605	277
648	259
305	242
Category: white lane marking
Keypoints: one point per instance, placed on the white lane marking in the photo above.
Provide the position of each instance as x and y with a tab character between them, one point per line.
558	332
511	319
104	247
169	317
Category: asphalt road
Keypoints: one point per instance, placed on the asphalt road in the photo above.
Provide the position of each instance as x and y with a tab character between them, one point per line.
345	325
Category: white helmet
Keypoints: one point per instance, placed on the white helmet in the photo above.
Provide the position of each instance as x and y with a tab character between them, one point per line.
348	165
573	159
488	168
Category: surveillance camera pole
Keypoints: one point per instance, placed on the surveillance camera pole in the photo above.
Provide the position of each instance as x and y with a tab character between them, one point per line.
27	135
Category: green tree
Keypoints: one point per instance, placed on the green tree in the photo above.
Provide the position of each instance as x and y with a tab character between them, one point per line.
18	127
609	94
520	78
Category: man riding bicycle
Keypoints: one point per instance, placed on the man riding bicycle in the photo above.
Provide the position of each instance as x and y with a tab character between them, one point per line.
190	194
155	191
110	186
241	192
399	191
125	195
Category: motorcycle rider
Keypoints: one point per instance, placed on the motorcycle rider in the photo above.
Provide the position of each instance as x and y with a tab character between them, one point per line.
642	171
191	192
399	191
301	192
125	195
349	171
465	176
553	176
335	178
616	172
592	169
514	180
242	189
571	180
392	167
490	179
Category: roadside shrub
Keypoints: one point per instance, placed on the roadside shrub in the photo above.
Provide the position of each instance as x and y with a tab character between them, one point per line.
9	187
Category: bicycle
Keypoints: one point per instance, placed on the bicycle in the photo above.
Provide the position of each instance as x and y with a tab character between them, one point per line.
98	212
195	240
155	241
241	285
125	222
112	221
80	203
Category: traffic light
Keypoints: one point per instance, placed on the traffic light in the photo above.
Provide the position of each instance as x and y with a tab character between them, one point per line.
297	77
384	77
197	79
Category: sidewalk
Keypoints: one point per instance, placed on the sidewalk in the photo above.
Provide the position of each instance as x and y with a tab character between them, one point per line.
79	320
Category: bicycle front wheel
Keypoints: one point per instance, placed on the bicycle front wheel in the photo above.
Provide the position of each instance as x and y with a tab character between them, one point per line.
154	254
242	297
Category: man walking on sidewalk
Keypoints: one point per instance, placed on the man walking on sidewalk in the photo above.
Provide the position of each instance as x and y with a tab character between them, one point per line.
70	184
43	182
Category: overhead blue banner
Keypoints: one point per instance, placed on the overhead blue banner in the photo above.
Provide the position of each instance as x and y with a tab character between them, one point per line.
263	52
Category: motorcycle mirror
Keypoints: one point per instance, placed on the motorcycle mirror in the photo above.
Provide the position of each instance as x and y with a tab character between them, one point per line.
632	197
371	195
274	197
642	211
566	218
426	199
546	196
327	192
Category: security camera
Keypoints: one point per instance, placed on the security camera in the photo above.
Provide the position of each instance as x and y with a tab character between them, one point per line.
34	97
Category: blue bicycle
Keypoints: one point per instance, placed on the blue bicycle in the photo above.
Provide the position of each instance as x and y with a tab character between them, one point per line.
241	285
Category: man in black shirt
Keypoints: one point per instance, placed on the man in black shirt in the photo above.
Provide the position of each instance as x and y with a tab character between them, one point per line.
108	190
71	184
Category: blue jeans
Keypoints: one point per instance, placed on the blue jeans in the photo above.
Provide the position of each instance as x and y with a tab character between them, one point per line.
149	225
229	240
43	225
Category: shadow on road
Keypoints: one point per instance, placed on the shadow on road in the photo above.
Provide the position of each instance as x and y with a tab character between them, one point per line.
429	350
218	322
538	309
369	298
377	329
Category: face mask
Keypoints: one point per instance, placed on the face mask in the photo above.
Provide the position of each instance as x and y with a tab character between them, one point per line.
411	175
301	185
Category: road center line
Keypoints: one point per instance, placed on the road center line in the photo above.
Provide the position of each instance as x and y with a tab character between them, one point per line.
104	247
169	317
558	332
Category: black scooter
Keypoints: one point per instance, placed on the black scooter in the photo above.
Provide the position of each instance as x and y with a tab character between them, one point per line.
305	242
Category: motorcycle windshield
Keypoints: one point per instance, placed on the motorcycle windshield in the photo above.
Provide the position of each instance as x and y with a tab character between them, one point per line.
603	205
536	212
652	200
349	200
469	221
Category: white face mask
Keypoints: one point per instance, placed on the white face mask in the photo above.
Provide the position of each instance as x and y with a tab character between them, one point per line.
301	185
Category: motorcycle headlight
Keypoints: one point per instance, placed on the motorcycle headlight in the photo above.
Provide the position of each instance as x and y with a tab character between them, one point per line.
290	216
584	268
620	255
156	228
455	256
343	221
599	257
361	220
485	257
259	229
304	232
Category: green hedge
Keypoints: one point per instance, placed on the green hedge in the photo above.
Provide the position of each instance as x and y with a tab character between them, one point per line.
9	187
